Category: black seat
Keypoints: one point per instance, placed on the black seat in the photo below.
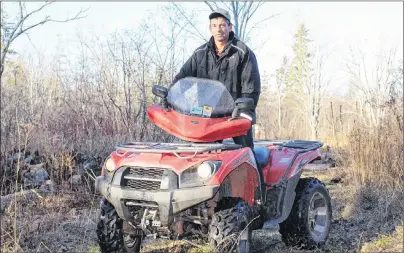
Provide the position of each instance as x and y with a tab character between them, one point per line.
262	155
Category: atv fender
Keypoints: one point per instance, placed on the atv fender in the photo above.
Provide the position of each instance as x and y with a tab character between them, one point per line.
241	182
285	200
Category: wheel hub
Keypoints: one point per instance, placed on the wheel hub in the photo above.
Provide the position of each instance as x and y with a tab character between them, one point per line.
317	215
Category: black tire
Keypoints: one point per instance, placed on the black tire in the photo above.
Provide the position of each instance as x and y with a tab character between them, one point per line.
225	228
299	229
132	244
110	232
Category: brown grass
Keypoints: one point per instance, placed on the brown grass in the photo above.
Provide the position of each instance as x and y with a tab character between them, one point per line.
376	159
64	222
386	243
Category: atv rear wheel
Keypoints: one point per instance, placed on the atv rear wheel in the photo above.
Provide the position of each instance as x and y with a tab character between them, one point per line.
228	232
309	221
110	232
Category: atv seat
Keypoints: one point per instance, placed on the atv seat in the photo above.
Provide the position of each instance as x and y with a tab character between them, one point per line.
262	155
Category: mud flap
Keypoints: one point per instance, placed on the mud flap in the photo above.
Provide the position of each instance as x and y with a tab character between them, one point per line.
285	200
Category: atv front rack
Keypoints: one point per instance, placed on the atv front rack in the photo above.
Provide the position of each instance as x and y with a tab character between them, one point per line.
175	148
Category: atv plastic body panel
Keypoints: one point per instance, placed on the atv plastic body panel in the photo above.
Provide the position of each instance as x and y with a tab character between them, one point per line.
197	129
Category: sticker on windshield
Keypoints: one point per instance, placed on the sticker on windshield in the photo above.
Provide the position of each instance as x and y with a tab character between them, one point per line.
207	111
196	110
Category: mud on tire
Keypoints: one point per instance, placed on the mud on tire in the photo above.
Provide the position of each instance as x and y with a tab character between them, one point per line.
226	225
309	221
109	230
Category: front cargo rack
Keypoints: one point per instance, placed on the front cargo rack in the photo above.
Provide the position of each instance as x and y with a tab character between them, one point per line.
175	148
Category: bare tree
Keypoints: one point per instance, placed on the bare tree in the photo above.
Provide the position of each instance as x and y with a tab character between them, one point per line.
169	42
373	82
282	90
23	25
306	79
189	17
242	13
315	92
309	98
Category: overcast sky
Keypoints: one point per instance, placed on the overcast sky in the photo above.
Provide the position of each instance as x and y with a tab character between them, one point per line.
334	26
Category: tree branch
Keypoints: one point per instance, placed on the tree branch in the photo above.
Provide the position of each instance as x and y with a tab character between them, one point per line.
210	6
14	34
255	25
192	24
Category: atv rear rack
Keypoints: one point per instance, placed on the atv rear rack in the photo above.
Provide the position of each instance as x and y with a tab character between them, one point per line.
300	144
303	146
175	148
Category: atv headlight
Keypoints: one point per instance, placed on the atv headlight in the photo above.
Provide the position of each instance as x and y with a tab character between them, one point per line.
109	165
205	170
199	175
109	169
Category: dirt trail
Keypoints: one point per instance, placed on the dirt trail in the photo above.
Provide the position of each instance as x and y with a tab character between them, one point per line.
67	223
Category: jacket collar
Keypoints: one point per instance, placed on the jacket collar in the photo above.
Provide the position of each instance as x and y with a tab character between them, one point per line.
211	43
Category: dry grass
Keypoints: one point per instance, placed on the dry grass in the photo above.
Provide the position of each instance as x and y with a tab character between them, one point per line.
61	223
386	243
365	214
67	222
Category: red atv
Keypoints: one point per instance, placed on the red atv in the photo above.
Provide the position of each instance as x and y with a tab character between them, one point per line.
208	185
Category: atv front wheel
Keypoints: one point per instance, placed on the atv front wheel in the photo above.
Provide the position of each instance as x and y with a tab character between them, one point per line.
309	221
110	232
228	230
132	243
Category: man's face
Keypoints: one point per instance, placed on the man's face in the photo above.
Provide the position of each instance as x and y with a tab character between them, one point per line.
220	29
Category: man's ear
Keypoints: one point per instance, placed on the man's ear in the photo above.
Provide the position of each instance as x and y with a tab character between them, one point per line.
231	27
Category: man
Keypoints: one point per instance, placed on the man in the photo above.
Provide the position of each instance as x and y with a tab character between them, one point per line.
228	60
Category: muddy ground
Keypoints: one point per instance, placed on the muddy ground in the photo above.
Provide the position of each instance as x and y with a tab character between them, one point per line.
66	223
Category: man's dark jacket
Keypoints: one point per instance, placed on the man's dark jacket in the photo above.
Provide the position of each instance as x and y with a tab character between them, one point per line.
236	68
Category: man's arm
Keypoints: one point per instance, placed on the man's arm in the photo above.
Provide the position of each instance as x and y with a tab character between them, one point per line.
188	69
250	79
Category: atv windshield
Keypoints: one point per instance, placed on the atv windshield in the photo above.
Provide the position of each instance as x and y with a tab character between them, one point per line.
201	97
